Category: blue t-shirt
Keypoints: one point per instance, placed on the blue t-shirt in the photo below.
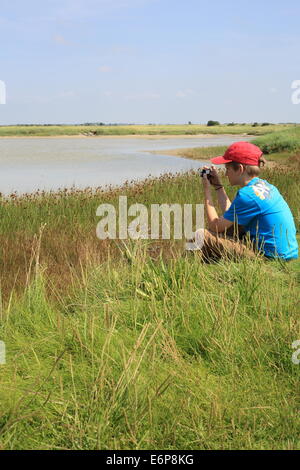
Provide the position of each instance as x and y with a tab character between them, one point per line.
263	212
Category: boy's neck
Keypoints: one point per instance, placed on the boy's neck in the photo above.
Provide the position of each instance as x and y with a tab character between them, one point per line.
246	181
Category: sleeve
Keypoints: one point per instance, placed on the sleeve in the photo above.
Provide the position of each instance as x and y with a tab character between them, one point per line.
242	210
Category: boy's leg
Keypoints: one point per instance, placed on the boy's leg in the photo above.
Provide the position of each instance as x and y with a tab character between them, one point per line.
214	246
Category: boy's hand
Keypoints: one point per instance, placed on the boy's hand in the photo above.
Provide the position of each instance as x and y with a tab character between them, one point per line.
214	177
213	180
205	180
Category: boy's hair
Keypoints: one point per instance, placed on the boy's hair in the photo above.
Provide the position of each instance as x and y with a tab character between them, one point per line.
251	170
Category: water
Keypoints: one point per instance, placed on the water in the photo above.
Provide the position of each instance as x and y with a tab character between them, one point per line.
41	163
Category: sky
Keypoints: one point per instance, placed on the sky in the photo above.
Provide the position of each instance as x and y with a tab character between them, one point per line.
149	61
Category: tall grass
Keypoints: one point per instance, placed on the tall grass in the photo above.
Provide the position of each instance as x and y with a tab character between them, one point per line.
144	355
279	144
70	222
285	141
140	346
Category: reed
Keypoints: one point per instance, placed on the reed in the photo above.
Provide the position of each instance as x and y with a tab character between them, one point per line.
140	346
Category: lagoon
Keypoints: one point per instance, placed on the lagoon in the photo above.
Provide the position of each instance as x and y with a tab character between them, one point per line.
29	164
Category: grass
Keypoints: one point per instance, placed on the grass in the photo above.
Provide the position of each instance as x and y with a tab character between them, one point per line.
139	346
285	141
154	356
120	130
195	153
279	146
70	222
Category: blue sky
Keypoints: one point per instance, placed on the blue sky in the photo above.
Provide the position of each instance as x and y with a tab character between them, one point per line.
142	61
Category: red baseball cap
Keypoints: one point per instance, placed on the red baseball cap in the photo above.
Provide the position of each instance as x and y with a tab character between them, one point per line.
240	152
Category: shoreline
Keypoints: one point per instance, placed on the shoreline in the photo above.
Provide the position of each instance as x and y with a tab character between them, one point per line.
126	136
177	153
186	153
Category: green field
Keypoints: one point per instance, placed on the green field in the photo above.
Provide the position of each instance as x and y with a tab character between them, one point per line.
119	130
137	345
278	147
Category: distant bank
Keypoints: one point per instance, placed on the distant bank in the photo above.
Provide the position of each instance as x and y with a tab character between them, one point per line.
138	130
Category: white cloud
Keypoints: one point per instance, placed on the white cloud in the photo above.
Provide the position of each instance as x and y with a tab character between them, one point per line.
59	39
142	96
153	96
185	93
66	94
105	68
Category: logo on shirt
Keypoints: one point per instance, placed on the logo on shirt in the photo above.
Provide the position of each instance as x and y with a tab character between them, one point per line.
261	190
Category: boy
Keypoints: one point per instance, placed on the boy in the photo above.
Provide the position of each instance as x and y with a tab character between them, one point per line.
258	210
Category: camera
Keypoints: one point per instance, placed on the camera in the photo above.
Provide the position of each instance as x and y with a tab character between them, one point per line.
205	172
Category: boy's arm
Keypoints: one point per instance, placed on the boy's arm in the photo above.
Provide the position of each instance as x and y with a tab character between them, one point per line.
215	223
223	199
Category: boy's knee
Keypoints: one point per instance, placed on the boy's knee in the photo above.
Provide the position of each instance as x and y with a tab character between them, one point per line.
204	235
201	236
